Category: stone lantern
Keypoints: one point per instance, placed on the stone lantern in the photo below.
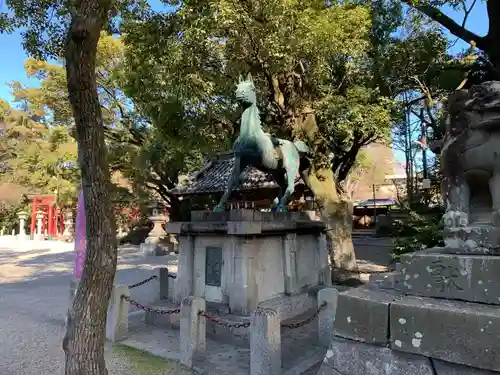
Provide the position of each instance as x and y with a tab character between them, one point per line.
68	232
22	215
39	217
152	244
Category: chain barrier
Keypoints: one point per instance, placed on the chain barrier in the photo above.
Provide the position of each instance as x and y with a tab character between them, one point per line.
227	324
170	275
142	282
224	323
150	309
305	321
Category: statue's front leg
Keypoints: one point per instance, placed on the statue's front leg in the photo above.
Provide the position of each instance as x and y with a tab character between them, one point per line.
231	184
456	196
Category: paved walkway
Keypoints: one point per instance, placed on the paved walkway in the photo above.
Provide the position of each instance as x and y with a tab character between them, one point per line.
34	287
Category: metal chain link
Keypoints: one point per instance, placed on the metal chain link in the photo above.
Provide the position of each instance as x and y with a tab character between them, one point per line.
150	309
142	282
306	321
223	323
170	275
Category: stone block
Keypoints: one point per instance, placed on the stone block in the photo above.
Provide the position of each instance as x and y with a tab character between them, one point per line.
454	331
118	311
192	341
447	368
209	216
473	240
244	215
244	227
386	280
349	357
327	316
431	273
363	315
265	343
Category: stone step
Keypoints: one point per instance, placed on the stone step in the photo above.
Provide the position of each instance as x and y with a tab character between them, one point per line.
465	333
306	364
434	273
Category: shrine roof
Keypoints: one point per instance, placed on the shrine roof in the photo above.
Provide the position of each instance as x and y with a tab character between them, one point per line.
213	178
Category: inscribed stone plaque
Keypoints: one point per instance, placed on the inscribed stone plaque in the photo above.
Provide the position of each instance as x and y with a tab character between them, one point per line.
213	266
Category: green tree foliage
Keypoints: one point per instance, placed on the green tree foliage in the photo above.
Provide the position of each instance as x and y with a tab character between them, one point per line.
309	61
39	157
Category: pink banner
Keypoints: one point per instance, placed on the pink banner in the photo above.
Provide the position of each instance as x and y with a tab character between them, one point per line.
80	239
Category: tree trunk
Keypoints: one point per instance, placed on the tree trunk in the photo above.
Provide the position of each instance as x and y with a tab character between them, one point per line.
83	343
335	210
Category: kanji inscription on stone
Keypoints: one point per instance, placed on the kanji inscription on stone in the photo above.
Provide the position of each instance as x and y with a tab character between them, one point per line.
213	266
444	276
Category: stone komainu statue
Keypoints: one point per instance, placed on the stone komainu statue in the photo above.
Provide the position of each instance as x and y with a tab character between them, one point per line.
470	157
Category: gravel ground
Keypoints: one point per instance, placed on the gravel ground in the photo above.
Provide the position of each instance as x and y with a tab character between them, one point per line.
34	296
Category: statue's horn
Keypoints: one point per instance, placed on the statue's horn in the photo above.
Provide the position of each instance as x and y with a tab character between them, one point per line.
249	77
240	79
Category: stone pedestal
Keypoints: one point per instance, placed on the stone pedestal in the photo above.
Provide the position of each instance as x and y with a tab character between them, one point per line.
441	307
477	239
246	259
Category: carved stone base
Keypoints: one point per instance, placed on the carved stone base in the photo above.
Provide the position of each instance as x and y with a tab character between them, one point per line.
472	240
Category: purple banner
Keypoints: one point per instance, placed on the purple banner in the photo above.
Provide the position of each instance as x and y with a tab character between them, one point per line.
80	239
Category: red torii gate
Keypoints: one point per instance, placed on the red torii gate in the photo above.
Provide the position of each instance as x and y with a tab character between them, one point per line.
48	205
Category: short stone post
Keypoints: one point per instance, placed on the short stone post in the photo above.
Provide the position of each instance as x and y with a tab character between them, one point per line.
117	322
192	330
326	317
160	292
163	282
265	343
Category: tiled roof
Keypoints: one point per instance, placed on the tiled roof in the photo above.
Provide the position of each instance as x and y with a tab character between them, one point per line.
213	178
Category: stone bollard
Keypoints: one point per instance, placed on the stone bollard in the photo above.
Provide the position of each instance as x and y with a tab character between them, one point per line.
192	330
163	282
327	316
265	343
117	322
161	292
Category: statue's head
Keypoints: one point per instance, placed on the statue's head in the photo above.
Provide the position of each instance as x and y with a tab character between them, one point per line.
477	107
245	90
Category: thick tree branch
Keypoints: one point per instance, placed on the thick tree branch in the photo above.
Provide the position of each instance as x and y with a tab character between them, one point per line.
454	28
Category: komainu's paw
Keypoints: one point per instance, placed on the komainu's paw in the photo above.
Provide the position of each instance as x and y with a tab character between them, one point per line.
453	219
